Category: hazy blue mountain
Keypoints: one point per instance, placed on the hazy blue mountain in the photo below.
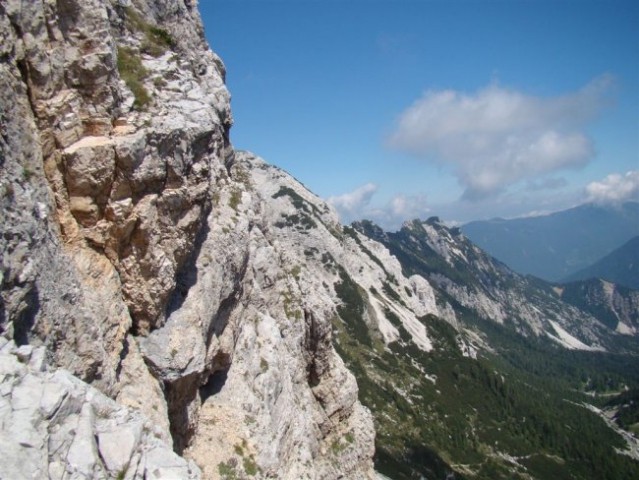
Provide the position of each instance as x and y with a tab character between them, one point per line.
555	246
621	266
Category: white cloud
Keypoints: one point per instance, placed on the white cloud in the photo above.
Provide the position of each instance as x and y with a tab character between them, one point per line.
356	205
530	200
497	137
615	188
350	204
399	209
408	207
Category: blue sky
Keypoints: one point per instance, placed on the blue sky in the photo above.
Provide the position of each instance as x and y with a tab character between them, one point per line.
396	109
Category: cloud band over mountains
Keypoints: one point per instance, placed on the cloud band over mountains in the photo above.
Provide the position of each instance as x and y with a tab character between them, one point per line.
615	188
497	137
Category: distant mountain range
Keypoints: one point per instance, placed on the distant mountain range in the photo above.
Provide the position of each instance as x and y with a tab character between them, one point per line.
475	285
621	266
556	246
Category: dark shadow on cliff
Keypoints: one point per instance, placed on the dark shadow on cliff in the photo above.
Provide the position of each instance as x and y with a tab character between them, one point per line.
187	275
26	318
228	305
214	385
179	395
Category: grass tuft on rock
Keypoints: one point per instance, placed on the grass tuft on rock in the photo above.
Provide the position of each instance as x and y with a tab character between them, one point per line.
133	73
156	40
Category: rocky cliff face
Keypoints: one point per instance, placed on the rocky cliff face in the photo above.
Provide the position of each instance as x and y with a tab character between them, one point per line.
143	256
474	283
614	305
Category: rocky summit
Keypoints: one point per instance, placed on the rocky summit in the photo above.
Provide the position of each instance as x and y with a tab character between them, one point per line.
174	309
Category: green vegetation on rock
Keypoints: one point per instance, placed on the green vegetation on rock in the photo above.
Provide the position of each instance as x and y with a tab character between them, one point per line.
156	41
133	73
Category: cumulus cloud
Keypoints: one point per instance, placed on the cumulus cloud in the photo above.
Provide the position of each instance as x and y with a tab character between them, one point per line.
530	200
407	207
349	205
615	188
496	137
356	205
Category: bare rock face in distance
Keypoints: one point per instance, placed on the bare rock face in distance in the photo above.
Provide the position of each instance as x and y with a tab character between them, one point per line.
144	260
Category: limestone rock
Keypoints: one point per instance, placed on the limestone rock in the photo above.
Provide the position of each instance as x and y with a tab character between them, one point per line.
151	265
50	421
118	445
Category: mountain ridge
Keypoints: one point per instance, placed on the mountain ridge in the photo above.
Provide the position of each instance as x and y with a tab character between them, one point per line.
461	271
620	266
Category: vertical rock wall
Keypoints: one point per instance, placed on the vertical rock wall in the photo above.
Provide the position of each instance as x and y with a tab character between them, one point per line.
133	252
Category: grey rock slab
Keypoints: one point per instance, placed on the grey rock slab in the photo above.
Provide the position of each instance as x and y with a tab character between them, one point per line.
162	464
117	446
56	470
83	456
37	361
53	394
23	352
61	435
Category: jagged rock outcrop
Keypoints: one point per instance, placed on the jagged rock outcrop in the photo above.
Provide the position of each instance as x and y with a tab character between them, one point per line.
469	279
56	426
102	203
613	305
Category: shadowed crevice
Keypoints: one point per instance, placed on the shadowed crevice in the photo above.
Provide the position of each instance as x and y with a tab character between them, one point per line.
187	275
26	318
